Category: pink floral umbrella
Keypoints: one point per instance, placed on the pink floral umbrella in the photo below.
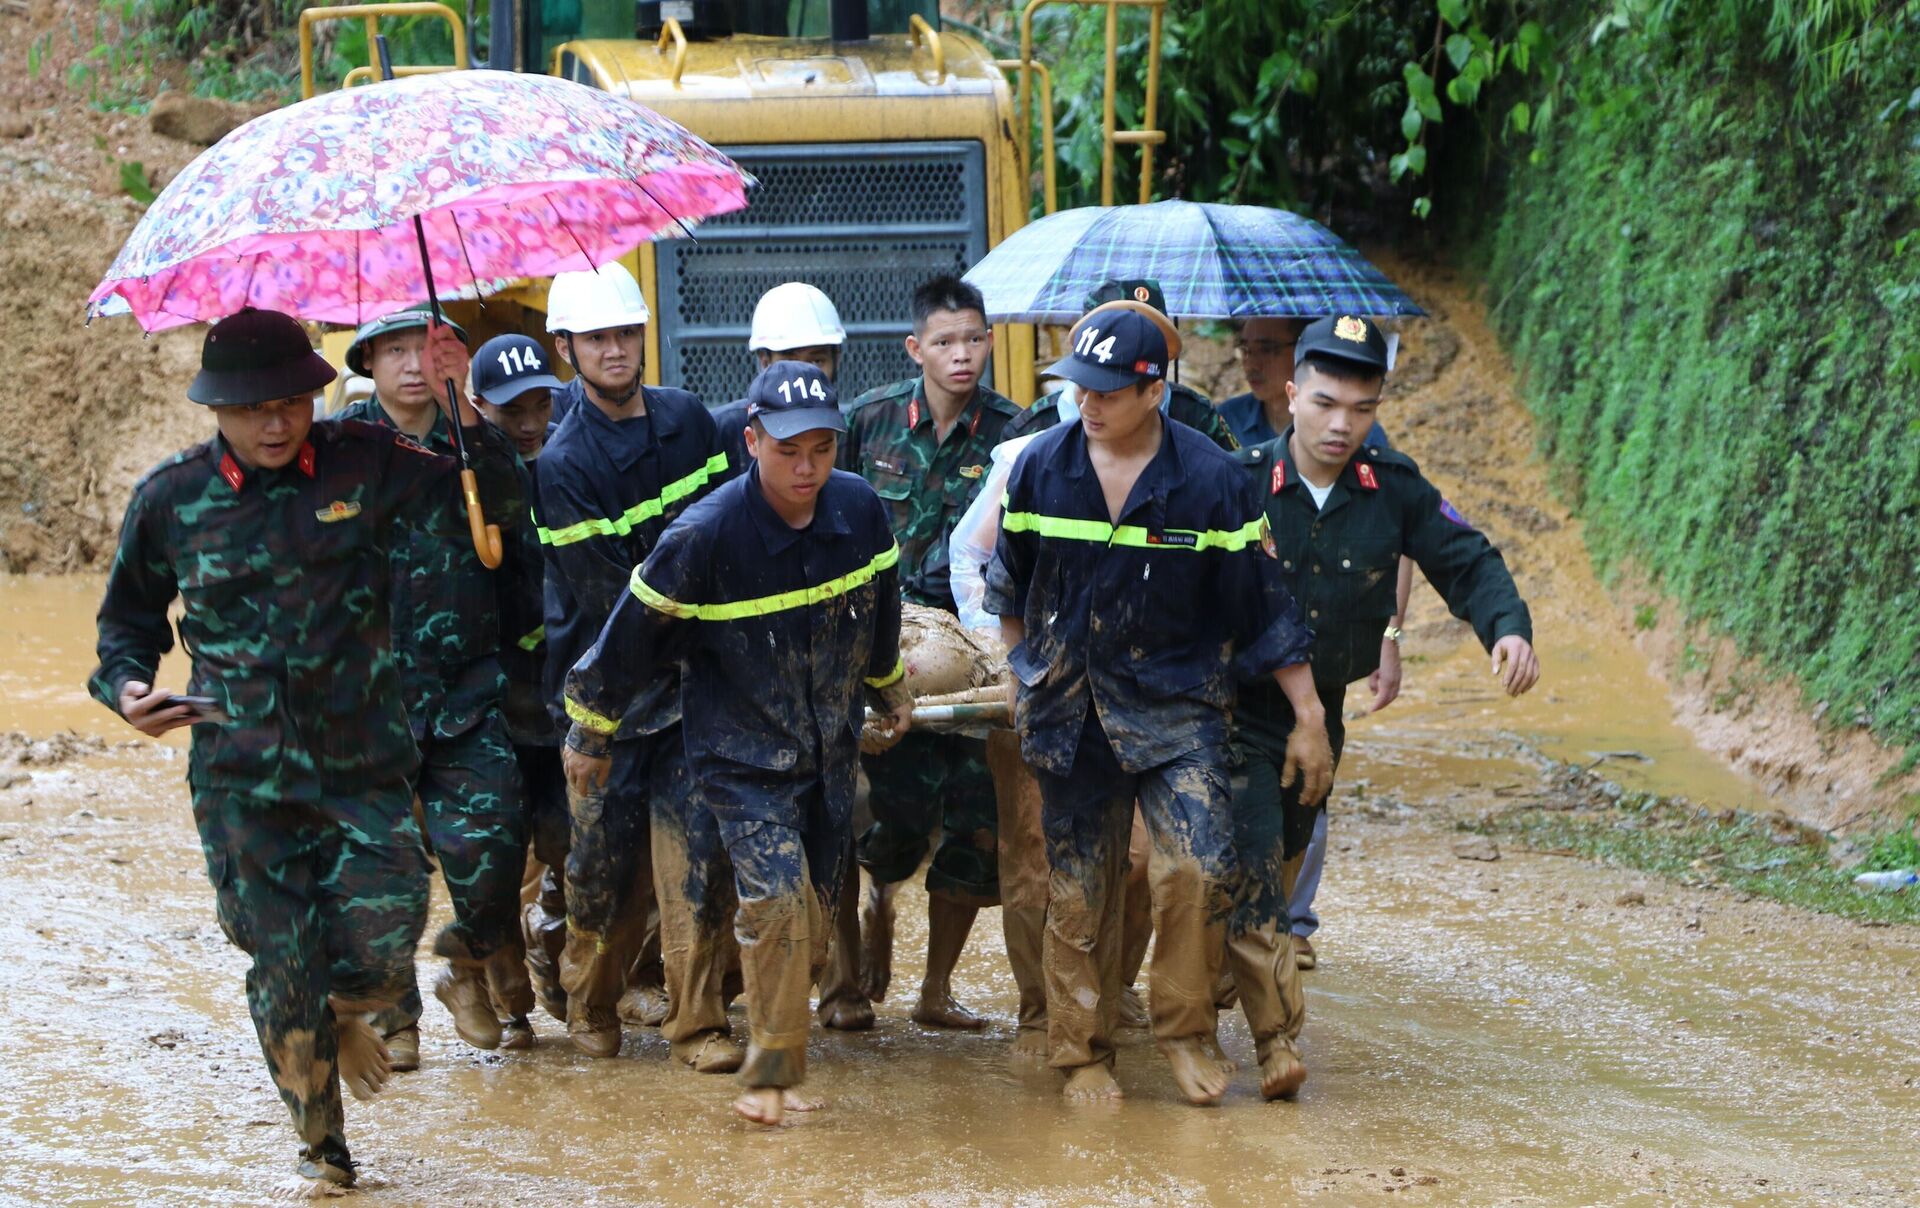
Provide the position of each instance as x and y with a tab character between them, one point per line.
311	209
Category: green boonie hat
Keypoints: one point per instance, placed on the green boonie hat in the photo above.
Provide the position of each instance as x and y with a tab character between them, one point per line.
257	356
399	320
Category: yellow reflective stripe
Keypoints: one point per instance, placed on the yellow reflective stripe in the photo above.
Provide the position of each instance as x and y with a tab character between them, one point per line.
639	513
891	677
588	718
532	640
764	605
1131	535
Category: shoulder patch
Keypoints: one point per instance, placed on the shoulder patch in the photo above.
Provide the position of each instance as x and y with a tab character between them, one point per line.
1449	511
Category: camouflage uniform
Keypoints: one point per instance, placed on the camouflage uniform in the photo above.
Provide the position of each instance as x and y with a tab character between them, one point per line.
929	782
776	629
302	803
446	640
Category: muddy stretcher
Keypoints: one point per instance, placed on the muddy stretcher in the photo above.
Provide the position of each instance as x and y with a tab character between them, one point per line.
957	677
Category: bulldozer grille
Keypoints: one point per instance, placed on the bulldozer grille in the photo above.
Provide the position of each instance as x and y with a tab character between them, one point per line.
865	222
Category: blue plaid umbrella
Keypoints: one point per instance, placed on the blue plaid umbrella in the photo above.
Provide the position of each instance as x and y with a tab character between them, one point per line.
1213	261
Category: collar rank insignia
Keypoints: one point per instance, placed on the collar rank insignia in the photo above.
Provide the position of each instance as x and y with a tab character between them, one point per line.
1365	473
411	445
339	509
1279	476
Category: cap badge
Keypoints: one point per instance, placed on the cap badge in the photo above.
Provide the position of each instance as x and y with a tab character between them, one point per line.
1141	293
339	509
1349	328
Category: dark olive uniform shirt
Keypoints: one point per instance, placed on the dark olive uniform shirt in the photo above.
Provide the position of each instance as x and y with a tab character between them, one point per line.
927	482
284	579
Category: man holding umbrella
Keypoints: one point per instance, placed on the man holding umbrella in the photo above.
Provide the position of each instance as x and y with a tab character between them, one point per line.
275	535
446	636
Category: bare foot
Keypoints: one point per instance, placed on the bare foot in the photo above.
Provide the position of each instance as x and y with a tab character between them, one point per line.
1199	1076
643	1006
1091	1084
365	1064
937	1010
1030	1044
794	1101
846	1014
1282	1072
1133	1012
1227	1065
315	1181
876	943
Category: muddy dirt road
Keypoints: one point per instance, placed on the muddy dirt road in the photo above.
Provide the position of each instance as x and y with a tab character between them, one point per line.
1517	1032
1481	1034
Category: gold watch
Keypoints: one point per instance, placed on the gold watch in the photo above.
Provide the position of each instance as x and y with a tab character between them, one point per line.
1393	633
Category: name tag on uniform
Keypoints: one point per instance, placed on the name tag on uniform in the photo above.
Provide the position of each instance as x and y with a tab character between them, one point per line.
339	509
1174	537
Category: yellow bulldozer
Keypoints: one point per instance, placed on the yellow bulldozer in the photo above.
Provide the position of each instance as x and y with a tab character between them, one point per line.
887	149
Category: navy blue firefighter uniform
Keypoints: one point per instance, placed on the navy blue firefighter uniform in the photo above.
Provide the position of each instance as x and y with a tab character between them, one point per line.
776	630
1118	701
608	489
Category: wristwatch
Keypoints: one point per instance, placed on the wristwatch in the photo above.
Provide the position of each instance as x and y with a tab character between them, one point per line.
1393	633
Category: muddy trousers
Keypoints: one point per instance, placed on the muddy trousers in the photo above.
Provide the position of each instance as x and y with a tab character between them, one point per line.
609	873
1023	874
1271	830
474	804
933	785
1023	882
787	879
694	881
329	899
1087	816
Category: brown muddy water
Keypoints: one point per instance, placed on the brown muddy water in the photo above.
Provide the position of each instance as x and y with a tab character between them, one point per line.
1479	1033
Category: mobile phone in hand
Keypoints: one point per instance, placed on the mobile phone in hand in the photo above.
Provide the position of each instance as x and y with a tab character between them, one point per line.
205	708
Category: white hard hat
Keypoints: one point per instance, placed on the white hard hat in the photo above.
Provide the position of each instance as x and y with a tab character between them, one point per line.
795	315
595	300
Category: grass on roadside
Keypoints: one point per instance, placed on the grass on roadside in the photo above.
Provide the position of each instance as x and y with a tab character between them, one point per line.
1731	849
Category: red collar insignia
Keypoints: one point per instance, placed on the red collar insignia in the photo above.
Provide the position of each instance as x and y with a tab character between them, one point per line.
1279	476
305	460
913	415
231	471
1365	473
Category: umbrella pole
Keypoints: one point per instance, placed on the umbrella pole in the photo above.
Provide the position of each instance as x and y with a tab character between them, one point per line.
486	537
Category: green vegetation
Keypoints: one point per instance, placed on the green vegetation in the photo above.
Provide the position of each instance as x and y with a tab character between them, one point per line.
1707	274
1747	853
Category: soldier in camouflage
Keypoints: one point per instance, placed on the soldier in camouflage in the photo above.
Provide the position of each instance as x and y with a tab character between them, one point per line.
274	535
446	638
924	445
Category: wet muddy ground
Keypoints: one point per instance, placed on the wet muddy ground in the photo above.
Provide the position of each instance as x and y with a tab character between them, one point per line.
1527	1031
1480	1033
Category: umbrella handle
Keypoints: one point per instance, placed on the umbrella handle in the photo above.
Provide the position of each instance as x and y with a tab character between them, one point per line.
486	537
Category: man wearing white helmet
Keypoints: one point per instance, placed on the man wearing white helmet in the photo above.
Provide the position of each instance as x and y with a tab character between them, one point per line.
791	322
626	460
